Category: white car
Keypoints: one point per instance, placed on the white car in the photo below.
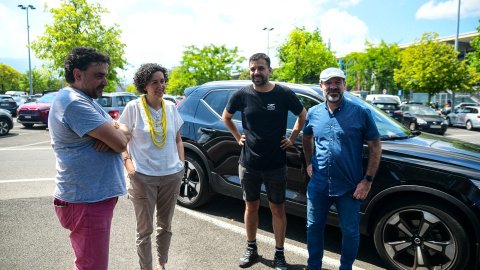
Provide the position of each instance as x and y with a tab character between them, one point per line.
468	117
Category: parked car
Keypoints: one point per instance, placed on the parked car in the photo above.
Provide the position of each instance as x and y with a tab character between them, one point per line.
468	117
421	117
36	112
388	107
447	110
387	98
423	210
20	100
8	103
6	122
170	98
114	103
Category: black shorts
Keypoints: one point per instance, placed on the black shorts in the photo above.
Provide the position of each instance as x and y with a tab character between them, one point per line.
275	182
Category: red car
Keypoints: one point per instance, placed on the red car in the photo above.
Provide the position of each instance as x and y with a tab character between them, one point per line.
35	112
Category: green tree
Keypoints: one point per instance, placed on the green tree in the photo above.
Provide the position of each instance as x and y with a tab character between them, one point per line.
431	67
375	66
474	57
132	89
210	63
9	78
303	56
78	24
39	81
178	81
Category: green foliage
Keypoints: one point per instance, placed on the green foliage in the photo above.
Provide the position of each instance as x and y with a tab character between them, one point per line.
41	80
198	66
211	63
431	67
474	57
132	89
374	66
78	24
9	78
303	56
178	81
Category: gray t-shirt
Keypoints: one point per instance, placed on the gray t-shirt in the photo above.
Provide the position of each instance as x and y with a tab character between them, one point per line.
83	174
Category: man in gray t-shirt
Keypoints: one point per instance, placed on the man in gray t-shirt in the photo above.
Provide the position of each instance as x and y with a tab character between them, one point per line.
88	146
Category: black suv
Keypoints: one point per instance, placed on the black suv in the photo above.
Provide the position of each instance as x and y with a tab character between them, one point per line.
422	210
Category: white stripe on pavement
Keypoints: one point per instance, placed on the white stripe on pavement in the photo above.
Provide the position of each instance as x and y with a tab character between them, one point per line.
262	238
26	180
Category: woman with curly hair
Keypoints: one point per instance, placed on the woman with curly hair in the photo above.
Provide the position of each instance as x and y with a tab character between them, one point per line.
154	161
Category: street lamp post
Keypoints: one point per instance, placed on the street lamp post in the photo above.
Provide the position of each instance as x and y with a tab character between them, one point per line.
28	33
268	38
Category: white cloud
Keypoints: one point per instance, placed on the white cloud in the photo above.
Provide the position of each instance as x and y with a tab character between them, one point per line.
347	33
448	9
348	3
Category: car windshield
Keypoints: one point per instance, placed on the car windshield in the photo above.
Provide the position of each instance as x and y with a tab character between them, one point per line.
386	106
6	99
386	98
423	111
388	128
48	98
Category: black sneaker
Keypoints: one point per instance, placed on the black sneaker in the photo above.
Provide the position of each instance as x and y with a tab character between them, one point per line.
279	261
247	259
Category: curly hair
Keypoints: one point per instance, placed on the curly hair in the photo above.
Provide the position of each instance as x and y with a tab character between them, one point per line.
82	58
144	75
259	56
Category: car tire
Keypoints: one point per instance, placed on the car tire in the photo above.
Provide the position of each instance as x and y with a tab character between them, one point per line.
412	126
421	234
469	125
195	188
449	122
28	125
441	133
4	127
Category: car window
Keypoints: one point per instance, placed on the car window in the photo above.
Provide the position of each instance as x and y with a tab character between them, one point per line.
104	101
217	100
48	98
9	99
467	110
475	111
307	104
121	102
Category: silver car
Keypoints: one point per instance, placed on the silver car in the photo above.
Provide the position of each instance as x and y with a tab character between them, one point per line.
468	117
114	103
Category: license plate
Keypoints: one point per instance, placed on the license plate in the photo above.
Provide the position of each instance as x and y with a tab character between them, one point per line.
28	116
435	126
4	104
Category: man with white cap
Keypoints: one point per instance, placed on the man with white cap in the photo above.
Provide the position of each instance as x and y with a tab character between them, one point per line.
333	139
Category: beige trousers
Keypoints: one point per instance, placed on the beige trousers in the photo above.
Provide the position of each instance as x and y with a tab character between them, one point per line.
147	192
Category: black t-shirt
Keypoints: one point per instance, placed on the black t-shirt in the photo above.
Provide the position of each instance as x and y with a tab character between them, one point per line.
264	121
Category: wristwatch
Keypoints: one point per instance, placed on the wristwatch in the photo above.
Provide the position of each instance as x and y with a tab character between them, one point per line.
368	177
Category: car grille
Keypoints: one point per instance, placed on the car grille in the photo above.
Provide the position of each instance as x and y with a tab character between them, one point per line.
28	112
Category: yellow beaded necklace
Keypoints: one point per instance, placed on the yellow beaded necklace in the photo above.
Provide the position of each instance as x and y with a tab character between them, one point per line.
163	133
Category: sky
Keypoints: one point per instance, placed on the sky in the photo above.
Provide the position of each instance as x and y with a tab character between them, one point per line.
159	31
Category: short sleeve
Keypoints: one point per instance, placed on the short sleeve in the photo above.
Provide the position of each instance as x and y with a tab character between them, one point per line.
82	118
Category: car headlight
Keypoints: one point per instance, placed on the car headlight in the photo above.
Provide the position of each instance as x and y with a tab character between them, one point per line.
421	121
44	109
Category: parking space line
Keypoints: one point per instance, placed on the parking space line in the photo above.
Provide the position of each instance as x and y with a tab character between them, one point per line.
26	180
19	146
262	238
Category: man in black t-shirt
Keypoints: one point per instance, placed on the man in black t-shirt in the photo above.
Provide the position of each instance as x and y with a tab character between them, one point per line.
264	107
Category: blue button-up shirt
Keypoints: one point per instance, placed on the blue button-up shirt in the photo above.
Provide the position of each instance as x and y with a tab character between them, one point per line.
339	137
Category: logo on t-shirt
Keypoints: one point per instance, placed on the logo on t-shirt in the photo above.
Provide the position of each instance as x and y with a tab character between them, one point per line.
271	107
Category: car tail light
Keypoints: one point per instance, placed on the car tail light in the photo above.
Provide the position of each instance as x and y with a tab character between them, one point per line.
398	112
114	114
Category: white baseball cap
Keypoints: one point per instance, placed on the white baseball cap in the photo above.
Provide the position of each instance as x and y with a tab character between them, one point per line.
329	73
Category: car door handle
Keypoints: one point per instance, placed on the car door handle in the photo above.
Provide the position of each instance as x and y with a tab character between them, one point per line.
207	130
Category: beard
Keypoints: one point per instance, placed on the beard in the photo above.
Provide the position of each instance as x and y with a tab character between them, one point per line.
262	81
93	92
334	99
